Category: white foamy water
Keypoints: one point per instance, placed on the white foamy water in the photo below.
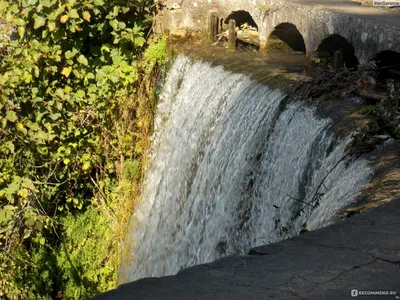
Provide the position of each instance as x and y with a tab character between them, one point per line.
225	156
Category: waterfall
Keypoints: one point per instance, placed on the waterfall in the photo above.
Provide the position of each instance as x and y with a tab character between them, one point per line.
229	166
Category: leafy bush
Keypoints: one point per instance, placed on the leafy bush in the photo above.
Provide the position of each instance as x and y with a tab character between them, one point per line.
73	110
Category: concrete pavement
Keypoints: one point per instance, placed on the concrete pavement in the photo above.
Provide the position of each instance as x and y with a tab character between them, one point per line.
361	253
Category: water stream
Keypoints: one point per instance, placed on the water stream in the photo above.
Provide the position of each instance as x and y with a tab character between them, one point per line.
226	156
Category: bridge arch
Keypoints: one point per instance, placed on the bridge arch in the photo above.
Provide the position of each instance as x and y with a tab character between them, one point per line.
246	27
287	37
334	42
388	63
241	17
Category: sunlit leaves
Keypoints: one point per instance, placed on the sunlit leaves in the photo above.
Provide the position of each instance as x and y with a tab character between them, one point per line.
7	213
21	31
11	116
23	193
86	166
51	26
73	14
39	22
139	41
20	127
69	54
114	24
62	84
86	16
83	60
66	71
64	19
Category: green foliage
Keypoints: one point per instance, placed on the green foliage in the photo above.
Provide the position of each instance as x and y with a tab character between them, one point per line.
367	109
83	257
156	52
68	120
39	263
131	170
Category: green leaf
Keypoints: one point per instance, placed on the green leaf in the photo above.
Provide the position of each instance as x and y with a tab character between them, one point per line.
39	22
39	226
32	2
139	41
81	93
73	14
11	116
10	146
121	25
66	71
60	93
55	116
28	184
51	26
86	166
11	189
33	126
29	221
76	73
21	31
83	60
114	24
9	207
114	78
69	54
90	75
5	216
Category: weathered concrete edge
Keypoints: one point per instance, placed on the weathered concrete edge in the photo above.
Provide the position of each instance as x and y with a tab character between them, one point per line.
315	24
361	253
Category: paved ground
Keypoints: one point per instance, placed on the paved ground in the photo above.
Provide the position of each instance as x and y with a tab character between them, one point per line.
362	253
381	15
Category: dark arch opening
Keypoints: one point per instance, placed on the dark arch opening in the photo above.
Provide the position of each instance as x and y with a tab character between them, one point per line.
335	42
247	36
286	37
241	17
387	63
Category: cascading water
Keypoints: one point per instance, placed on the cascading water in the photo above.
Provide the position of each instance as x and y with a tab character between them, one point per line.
226	155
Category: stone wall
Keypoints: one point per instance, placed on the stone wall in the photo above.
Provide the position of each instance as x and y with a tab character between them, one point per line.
314	23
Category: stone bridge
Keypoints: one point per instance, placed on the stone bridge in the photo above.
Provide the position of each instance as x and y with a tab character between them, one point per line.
370	30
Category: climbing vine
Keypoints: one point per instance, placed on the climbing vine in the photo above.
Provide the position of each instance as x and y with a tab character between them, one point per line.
76	108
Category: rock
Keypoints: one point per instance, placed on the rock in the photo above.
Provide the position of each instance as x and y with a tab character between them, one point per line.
352	213
374	141
178	33
383	137
338	60
175	6
390	141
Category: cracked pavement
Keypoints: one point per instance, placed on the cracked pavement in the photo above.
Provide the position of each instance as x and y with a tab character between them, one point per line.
361	253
